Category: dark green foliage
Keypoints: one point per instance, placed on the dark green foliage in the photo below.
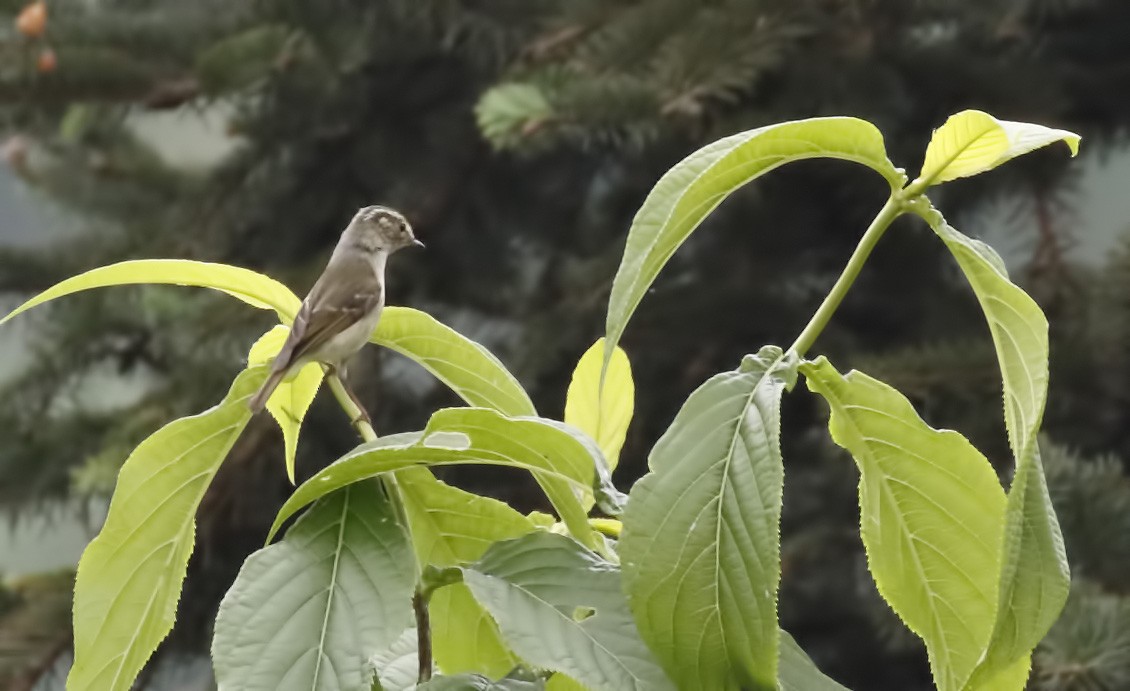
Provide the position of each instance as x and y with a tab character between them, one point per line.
1088	649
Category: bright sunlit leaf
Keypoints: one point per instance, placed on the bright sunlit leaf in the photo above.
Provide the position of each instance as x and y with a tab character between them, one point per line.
250	286
290	401
695	186
603	413
931	517
129	577
972	142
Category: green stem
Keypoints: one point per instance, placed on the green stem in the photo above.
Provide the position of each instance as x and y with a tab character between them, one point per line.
890	211
360	420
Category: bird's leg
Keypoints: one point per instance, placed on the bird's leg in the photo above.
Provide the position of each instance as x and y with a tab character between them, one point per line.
362	414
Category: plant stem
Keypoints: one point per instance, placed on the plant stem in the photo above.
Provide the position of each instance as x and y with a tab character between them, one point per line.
357	417
890	211
360	420
423	636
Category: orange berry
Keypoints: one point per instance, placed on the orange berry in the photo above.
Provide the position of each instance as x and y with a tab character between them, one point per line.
47	61
32	21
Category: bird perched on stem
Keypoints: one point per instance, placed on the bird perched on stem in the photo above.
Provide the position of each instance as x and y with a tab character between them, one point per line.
342	310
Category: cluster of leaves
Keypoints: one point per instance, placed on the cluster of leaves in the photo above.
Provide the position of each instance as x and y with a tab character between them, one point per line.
686	595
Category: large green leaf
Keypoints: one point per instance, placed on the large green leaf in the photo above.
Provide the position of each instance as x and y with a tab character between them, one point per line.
972	142
252	287
1034	577
562	465
931	517
688	192
306	613
602	410
451	527
560	607
701	546
798	673
397	667
464	636
477	682
290	401
129	577
468	368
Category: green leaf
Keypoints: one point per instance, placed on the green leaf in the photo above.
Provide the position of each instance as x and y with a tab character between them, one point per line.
469	369
700	547
798	673
561	465
602	412
290	401
477	682
560	682
464	637
1034	576
451	527
130	575
308	611
253	288
931	517
688	192
560	607
972	142
605	494
397	666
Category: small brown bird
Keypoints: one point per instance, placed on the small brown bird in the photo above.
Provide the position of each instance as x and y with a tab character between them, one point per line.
343	308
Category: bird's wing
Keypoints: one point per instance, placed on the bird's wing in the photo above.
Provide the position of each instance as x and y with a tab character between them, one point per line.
330	308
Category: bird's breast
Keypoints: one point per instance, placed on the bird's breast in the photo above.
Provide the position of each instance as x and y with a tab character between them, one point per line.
352	338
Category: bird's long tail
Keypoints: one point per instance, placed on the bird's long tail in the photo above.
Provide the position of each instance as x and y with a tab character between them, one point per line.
259	400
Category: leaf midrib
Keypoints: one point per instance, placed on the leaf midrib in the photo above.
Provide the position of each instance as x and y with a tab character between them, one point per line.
331	588
911	546
769	371
148	608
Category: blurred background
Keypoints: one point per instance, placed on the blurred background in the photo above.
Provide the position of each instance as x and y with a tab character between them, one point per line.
520	136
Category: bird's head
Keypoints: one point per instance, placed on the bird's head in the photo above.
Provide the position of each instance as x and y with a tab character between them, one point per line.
379	228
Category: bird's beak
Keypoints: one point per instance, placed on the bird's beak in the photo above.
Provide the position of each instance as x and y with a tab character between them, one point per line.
417	243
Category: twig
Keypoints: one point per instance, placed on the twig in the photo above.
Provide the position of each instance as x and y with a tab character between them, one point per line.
423	636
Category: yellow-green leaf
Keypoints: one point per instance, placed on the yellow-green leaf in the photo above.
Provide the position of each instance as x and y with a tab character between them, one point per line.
290	401
250	286
1034	577
451	527
561	464
931	517
972	142
695	186
469	369
602	412
129	577
464	636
